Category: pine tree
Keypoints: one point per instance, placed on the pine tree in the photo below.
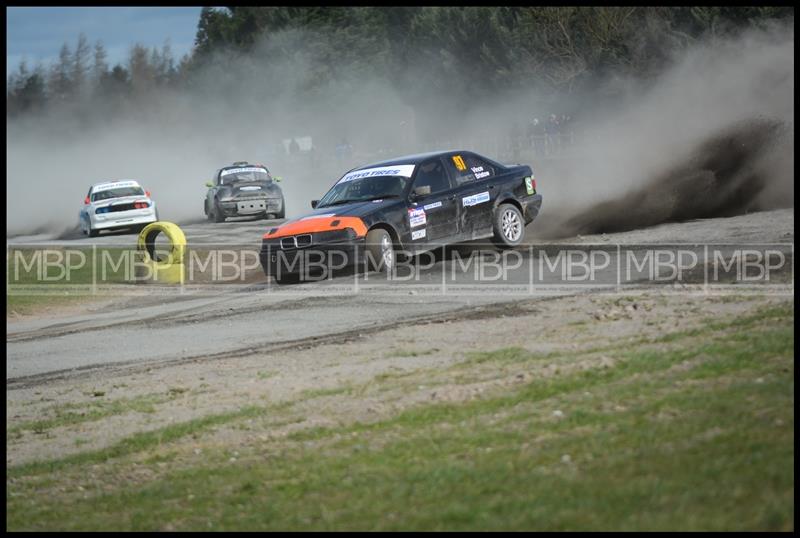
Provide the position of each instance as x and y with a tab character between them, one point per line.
100	67
60	83
142	74
80	65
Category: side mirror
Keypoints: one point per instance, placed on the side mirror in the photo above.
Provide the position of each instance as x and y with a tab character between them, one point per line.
277	178
314	204
423	190
209	184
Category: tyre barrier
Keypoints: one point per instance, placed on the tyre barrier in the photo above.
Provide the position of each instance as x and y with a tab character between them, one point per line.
152	265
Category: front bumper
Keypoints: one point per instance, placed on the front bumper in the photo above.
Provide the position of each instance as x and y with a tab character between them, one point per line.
251	206
316	258
123	219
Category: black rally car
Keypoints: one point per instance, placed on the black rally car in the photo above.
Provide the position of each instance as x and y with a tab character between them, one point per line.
413	203
241	190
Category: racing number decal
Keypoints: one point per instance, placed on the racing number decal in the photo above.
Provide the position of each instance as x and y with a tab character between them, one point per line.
459	162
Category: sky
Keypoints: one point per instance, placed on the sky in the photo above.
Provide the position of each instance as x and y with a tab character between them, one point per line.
37	33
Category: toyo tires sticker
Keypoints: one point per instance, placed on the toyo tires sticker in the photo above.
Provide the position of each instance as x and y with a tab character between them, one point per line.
115	185
240	170
404	170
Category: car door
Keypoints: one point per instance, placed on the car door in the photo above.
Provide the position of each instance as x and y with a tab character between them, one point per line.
432	218
475	192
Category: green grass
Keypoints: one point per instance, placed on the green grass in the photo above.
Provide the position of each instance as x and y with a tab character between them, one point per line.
320	393
411	352
23	270
693	431
138	442
31	304
71	414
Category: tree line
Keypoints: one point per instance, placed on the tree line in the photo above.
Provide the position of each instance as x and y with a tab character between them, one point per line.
82	77
468	52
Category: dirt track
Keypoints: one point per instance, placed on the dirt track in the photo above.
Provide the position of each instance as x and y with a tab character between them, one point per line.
146	331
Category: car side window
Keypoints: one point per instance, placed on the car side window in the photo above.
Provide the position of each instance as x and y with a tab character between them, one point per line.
468	168
432	173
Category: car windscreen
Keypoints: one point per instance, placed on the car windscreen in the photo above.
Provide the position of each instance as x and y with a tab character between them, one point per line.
252	173
368	188
118	192
369	184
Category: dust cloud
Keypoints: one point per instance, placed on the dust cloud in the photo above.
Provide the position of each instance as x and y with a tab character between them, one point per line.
716	127
713	136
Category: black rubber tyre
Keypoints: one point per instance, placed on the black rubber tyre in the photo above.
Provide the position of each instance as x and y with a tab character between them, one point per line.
282	214
209	214
93	232
218	216
508	225
381	249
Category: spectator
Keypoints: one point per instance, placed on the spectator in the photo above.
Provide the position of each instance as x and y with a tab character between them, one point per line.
551	131
537	138
529	132
343	150
516	140
567	129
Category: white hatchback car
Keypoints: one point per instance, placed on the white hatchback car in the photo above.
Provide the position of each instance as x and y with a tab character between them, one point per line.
116	204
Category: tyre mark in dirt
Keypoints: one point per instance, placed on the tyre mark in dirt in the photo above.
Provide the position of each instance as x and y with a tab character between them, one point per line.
161	320
493	310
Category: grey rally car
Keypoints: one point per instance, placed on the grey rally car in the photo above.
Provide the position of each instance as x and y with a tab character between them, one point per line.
242	190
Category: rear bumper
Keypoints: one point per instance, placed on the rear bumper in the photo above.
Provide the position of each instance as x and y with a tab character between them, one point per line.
324	257
123	219
256	206
531	205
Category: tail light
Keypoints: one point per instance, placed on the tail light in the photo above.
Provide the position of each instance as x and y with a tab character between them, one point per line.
533	183
86	201
141	205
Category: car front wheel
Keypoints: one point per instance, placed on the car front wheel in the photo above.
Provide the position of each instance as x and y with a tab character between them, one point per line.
509	226
381	251
282	213
218	216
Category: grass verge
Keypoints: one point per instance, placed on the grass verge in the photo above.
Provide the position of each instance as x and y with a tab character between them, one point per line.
692	433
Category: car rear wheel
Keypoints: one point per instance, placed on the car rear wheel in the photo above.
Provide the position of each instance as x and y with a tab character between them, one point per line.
86	228
509	226
381	251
